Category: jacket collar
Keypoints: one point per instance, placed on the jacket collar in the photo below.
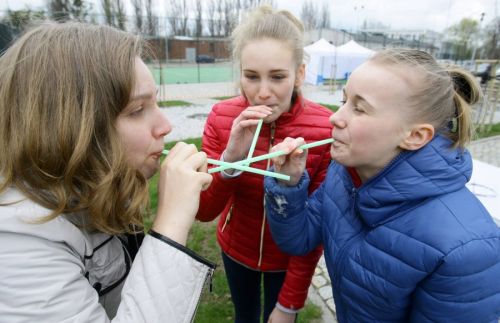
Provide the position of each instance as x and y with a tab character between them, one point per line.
412	177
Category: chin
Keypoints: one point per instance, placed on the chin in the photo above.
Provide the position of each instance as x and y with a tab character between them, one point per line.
149	171
271	118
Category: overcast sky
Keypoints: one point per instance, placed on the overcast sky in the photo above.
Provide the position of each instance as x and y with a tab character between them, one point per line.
398	14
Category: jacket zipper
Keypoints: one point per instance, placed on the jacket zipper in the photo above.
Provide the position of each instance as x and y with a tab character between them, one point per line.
208	278
228	218
263	226
341	263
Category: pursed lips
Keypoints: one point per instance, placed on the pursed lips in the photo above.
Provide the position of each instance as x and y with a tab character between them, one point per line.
337	142
156	155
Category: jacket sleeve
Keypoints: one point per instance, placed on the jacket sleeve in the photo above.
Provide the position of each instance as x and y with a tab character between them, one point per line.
464	288
320	174
294	219
44	281
215	198
300	271
164	284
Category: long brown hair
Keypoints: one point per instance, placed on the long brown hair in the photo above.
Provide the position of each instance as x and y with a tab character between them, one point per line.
62	88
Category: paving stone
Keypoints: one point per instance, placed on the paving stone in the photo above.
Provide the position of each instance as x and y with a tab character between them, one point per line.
326	292
331	304
319	281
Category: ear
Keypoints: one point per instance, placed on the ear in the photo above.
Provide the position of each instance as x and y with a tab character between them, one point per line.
418	137
300	75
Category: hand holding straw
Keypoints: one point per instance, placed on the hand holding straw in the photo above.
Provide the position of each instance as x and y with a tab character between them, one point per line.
270	155
254	141
243	168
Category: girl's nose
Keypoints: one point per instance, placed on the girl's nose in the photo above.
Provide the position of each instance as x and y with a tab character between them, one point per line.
264	91
337	119
163	126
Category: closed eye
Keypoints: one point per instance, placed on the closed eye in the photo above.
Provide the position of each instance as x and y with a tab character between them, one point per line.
137	112
251	76
358	110
278	77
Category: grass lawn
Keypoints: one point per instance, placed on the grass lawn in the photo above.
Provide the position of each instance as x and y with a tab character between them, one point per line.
332	107
494	131
220	98
216	307
173	103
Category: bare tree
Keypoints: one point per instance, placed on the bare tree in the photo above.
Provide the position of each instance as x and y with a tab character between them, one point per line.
63	10
199	18
59	10
120	16
79	9
308	15
220	22
178	17
138	8
151	22
107	7
114	13
211	10
173	11
492	46
325	16
230	16
183	21
18	20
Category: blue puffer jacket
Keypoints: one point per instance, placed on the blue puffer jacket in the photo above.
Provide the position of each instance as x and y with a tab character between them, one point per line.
411	244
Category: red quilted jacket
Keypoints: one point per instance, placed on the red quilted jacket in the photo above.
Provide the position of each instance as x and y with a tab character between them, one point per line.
242	231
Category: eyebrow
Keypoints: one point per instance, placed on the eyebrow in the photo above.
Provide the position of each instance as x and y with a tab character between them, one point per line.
272	71
143	96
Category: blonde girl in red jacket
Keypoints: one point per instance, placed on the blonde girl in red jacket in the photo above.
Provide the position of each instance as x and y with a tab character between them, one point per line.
269	47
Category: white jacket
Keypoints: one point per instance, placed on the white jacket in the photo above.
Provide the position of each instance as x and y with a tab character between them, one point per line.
56	272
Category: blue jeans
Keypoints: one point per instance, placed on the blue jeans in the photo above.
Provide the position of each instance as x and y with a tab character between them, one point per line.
245	287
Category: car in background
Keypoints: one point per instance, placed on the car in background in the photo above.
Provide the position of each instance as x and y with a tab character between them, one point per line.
205	59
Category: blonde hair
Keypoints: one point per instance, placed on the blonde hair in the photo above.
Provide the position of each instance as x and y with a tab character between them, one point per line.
444	95
264	22
62	88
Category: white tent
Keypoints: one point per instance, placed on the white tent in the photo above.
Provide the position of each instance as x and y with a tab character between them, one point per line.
327	61
321	59
349	56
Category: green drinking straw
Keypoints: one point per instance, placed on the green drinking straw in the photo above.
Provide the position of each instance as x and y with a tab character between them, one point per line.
270	155
254	141
247	169
242	167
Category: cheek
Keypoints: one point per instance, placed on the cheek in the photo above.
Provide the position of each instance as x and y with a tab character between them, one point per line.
362	134
134	140
247	88
286	90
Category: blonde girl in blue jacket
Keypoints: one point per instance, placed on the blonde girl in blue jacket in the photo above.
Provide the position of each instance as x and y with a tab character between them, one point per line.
404	239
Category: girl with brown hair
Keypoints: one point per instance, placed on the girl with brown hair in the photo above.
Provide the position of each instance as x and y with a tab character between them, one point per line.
81	133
